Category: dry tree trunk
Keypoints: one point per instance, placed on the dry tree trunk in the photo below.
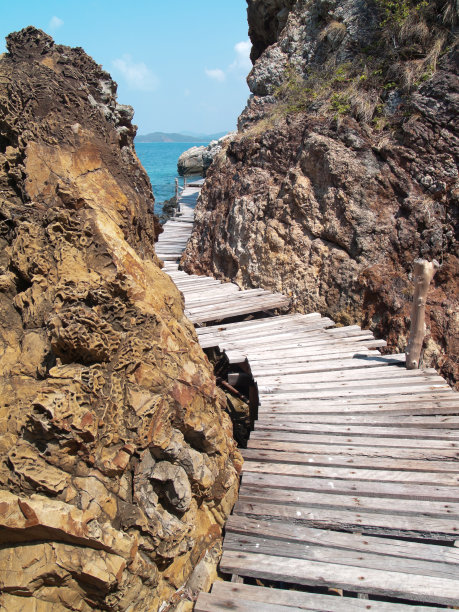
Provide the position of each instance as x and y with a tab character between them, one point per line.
423	273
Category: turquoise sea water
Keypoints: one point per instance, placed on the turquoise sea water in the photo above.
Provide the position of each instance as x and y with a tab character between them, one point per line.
160	161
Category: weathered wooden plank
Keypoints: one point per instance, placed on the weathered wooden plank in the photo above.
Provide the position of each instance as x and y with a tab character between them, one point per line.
355	460
432	404
242	308
198	281
311	365
375	373
169	257
259	332
331	472
310	350
324	355
431	421
240	300
287	337
329	499
234	342
219	290
217	297
380	582
343	556
387	547
261	322
207	602
393	382
290	341
236	293
173	242
171	247
304	437
361	452
349	429
415	387
292	338
306	601
431	396
430	528
201	287
396	490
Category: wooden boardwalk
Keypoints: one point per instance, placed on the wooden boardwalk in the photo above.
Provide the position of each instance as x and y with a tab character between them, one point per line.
206	299
350	480
349	496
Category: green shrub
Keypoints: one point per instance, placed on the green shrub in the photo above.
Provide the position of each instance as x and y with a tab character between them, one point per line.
396	12
340	104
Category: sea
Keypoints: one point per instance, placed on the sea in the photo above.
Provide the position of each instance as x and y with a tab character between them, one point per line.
160	162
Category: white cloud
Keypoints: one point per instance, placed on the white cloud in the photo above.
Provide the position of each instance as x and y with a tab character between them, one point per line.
55	23
137	74
241	63
242	59
216	74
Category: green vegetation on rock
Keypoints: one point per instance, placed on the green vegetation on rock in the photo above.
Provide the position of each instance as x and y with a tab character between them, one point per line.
401	55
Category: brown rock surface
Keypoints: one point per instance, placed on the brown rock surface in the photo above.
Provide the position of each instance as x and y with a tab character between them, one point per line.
117	464
313	200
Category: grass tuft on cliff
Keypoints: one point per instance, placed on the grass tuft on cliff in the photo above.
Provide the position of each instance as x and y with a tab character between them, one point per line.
403	54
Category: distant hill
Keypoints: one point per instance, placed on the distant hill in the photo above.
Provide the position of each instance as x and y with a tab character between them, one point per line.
172	137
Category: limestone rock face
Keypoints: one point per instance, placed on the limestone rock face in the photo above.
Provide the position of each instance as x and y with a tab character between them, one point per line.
117	465
329	208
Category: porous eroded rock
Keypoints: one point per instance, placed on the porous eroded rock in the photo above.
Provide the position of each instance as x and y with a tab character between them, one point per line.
321	202
117	464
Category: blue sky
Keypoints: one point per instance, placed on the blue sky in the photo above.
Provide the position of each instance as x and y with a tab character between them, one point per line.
181	64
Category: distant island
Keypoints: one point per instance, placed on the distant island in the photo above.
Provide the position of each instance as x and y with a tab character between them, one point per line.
172	137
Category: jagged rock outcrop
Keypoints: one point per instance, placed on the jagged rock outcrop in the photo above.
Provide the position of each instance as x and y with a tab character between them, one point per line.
344	170
197	160
267	19
117	464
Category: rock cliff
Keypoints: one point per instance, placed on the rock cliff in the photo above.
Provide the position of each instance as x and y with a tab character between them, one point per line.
117	464
345	166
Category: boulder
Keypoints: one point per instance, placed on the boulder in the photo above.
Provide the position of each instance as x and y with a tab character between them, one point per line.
197	160
191	162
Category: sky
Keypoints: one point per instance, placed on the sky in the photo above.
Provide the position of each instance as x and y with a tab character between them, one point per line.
181	64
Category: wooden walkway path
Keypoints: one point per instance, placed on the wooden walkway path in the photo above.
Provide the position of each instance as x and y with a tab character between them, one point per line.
206	299
349	498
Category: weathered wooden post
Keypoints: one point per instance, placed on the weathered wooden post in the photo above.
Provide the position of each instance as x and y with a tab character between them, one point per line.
184	182
176	196
423	273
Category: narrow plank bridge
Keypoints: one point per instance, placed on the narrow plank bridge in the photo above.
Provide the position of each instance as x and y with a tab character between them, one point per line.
349	497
